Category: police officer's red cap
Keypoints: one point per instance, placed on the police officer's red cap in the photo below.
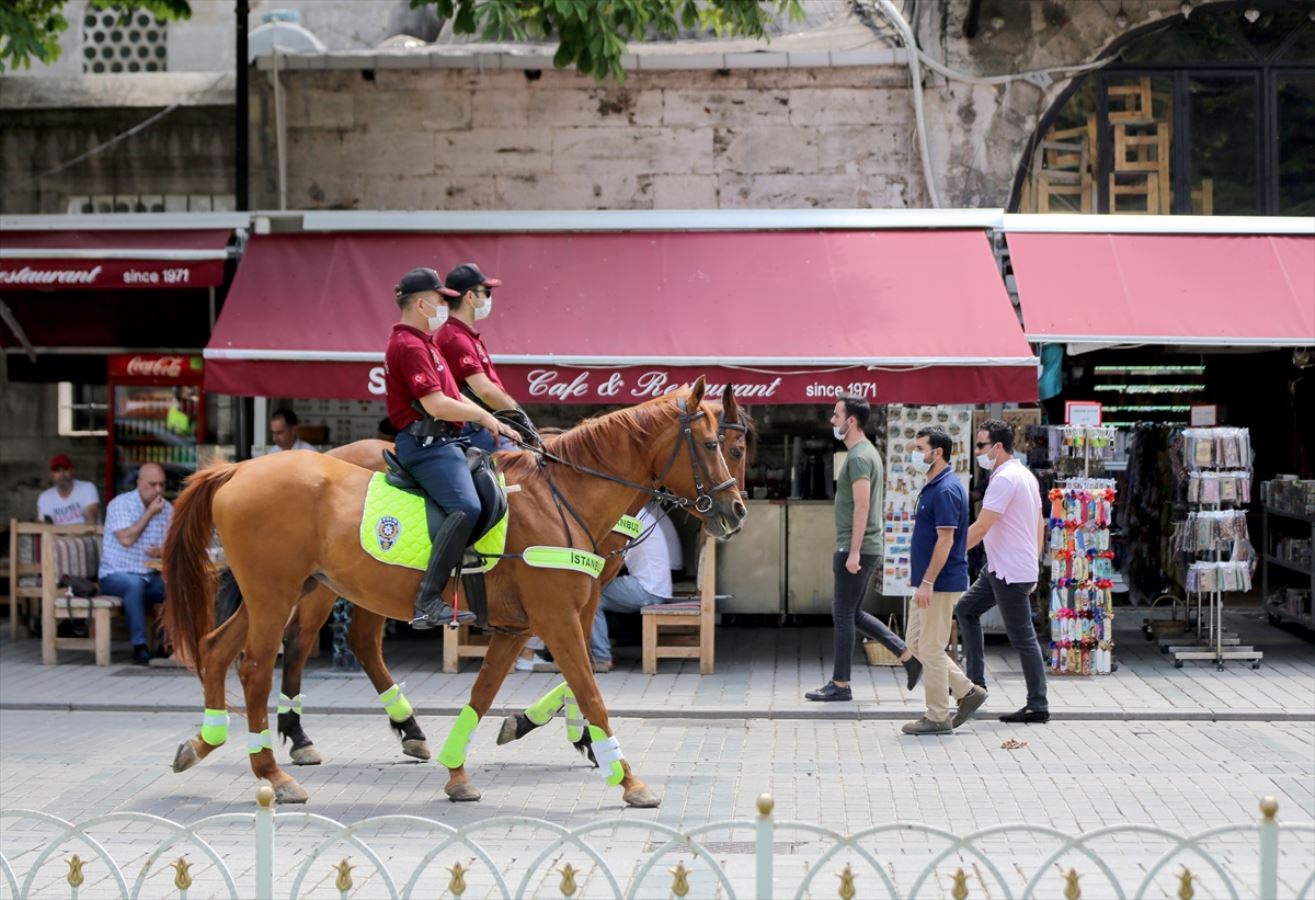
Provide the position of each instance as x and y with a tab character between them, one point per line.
422	279
467	276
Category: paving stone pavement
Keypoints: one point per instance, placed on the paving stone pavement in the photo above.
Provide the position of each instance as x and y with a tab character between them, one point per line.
1185	776
761	673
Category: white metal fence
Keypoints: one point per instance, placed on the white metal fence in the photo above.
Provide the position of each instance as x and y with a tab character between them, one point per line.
262	854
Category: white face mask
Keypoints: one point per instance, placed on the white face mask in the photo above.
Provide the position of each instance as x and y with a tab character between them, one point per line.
440	316
985	461
918	463
839	432
482	312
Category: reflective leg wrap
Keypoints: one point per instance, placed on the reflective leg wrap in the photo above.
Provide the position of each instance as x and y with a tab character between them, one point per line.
396	704
607	751
214	727
259	740
290	704
574	724
453	754
546	706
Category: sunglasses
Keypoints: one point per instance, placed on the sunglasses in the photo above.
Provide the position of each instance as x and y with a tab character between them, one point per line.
980	444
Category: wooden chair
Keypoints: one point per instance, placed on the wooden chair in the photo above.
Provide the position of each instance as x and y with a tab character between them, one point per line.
73	550
1203	198
24	573
461	643
1136	186
696	618
1145	149
1132	103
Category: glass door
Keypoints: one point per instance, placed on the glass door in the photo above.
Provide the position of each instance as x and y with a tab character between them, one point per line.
155	424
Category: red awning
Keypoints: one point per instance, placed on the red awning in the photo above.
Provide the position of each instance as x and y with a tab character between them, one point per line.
112	259
1175	289
786	316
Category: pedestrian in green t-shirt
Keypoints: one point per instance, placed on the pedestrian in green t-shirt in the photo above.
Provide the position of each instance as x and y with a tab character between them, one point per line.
858	541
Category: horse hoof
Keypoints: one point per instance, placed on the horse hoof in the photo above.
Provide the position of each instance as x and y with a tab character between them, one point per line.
416	749
644	798
306	756
508	732
462	792
186	757
290	792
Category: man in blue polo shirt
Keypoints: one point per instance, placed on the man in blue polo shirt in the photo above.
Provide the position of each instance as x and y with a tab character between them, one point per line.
939	569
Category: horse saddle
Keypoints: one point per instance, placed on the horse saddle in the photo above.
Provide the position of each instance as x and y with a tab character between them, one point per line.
483	472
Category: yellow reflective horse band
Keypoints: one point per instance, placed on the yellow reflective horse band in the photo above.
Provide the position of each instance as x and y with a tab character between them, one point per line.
574	724
214	727
607	752
290	704
453	754
590	564
395	704
629	526
543	709
259	740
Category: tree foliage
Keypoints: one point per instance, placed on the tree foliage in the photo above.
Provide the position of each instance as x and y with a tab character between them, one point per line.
30	29
593	35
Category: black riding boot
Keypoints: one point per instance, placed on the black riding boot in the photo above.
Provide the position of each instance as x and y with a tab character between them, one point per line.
431	610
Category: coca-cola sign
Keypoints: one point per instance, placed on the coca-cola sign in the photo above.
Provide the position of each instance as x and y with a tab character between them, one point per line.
171	367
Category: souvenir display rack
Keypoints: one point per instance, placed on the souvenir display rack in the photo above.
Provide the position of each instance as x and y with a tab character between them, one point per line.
1288	550
1081	572
1213	541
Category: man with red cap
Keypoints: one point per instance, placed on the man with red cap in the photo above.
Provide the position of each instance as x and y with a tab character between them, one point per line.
470	300
69	502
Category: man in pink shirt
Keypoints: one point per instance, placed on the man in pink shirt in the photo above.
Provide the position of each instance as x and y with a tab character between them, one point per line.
1014	532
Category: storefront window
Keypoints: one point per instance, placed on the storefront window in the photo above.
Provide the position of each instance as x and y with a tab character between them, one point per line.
1222	141
83	409
1212	115
1296	144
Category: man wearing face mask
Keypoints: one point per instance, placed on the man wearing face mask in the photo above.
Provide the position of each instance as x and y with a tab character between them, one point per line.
1014	532
858	539
429	412
939	572
470	301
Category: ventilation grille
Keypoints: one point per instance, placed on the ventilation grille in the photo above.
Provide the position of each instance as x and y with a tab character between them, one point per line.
113	42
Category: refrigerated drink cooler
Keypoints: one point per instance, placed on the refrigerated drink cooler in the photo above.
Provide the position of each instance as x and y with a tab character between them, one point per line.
157	415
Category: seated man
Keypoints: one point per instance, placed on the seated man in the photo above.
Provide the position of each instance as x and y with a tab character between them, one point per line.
648	580
285	432
69	501
135	526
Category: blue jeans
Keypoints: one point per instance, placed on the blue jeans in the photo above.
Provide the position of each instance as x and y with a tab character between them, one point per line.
623	594
1016	610
137	591
483	439
442	471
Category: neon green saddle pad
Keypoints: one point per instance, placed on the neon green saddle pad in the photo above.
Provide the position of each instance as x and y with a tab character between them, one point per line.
395	530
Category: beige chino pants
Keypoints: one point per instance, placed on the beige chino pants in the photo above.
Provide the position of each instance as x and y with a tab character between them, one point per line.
928	633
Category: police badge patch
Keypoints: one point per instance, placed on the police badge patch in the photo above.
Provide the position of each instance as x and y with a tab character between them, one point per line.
386	532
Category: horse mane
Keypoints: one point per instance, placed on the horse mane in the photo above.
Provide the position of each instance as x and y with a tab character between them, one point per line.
592	443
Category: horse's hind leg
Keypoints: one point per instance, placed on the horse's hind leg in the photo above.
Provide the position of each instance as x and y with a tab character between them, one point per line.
366	639
570	649
503	650
257	674
300	638
217	651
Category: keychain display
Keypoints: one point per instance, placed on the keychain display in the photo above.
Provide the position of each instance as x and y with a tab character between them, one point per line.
1081	576
1211	530
1217	448
1212	488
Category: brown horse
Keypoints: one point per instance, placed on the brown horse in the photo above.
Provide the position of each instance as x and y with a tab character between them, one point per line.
288	522
365	635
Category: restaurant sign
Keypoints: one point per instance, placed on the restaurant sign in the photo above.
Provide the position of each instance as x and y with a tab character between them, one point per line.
108	274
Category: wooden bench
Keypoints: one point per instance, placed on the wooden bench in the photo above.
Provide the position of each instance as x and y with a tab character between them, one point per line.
74	550
696	620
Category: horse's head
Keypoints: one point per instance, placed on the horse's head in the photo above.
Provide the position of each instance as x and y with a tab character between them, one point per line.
690	462
737	432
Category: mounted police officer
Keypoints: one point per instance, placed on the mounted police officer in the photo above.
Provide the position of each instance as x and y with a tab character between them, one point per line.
427	409
470	300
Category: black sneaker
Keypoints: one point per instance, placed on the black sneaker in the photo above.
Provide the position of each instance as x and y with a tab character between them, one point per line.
140	655
830	691
1027	716
914	670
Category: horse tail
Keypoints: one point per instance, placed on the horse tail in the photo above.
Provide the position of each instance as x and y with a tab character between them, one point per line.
190	611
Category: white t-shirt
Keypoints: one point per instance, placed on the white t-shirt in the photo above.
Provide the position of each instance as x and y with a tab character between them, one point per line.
652	560
67	510
300	445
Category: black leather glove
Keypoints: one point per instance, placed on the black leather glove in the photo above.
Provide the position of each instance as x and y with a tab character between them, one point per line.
517	419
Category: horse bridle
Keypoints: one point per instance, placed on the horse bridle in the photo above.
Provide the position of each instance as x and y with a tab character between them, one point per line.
702	498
